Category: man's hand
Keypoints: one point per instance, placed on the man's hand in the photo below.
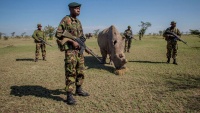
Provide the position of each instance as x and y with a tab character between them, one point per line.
75	44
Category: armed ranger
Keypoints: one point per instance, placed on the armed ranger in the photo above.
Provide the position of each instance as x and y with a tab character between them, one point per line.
44	42
176	37
81	41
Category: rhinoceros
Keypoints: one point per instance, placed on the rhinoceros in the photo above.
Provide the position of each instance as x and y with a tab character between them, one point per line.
111	43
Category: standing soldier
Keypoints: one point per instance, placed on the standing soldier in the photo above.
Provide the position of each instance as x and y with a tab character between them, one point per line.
128	35
74	61
172	45
36	35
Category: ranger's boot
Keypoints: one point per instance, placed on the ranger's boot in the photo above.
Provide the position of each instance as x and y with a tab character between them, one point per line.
128	51
36	60
70	100
175	62
168	60
80	92
44	59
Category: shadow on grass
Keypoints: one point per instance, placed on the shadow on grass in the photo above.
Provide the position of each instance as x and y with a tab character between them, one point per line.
92	62
180	83
196	47
186	82
183	82
37	91
25	59
193	103
148	62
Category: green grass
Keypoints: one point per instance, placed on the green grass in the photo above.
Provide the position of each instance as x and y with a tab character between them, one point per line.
149	85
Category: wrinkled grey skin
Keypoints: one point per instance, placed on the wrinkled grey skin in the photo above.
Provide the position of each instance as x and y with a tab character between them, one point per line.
111	42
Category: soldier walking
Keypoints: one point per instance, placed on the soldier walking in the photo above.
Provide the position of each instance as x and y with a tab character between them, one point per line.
74	61
128	39
37	35
172	45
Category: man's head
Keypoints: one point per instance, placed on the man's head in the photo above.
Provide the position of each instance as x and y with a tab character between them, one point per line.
173	24
129	27
39	26
74	9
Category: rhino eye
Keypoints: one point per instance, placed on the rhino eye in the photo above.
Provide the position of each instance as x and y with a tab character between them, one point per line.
115	42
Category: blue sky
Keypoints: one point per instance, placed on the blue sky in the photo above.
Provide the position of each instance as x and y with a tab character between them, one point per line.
23	15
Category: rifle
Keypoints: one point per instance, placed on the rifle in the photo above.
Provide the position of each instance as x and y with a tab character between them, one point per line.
176	37
81	41
44	42
130	37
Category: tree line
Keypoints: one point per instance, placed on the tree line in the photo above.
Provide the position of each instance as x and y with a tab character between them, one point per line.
50	32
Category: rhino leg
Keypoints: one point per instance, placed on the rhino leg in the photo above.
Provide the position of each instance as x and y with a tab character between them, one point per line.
111	62
104	55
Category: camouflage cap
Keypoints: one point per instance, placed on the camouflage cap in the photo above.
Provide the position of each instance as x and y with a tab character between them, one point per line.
39	25
74	4
129	26
173	22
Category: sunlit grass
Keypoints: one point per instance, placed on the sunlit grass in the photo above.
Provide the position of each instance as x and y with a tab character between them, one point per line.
149	85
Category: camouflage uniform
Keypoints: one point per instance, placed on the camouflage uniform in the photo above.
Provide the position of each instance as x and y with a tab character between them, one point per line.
128	34
36	35
172	45
74	61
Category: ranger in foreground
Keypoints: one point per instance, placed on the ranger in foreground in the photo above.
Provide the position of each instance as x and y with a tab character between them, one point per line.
74	61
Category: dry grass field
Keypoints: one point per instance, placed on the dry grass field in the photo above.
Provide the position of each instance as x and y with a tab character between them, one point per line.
150	85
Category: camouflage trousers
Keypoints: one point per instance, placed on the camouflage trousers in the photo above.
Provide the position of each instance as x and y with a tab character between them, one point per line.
74	69
172	48
43	50
128	42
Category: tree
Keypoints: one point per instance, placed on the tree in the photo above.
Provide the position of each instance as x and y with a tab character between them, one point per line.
1	34
144	26
194	32
22	35
50	31
13	34
96	32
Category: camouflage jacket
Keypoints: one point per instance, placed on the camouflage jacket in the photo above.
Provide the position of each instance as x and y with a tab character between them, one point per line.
72	25
174	30
38	34
128	33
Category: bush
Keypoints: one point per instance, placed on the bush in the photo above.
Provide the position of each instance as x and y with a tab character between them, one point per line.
5	37
18	37
26	36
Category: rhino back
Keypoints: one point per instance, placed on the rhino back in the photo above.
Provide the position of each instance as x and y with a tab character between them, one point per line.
104	39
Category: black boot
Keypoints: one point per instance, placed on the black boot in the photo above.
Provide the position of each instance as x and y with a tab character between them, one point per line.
44	59
168	60
70	100
175	62
80	92
128	51
36	60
